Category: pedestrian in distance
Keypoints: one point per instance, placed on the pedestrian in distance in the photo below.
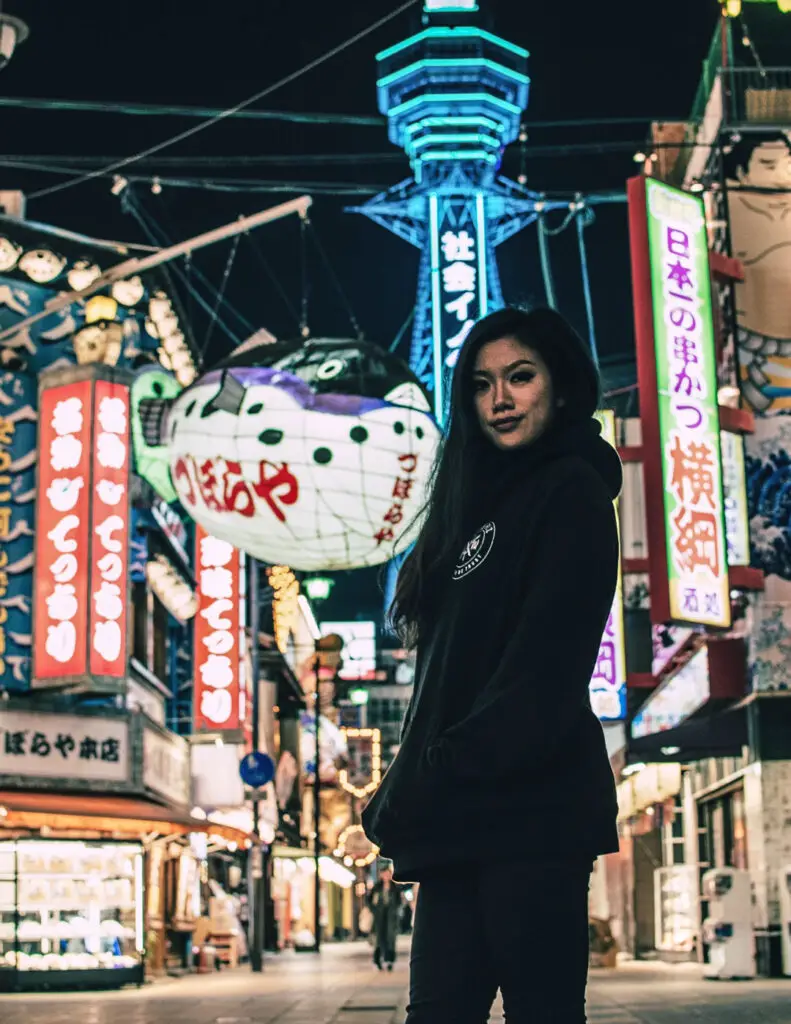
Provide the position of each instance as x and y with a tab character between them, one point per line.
501	795
386	904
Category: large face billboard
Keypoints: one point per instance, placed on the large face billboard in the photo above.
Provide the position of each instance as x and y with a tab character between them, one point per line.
677	369
758	176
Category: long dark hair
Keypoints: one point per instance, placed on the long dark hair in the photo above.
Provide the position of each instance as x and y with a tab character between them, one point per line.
459	460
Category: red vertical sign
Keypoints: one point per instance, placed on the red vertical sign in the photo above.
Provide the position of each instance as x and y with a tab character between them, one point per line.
62	532
109	530
218	695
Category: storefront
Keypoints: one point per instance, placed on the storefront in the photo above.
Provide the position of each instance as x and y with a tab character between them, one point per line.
93	810
71	910
692	719
293	891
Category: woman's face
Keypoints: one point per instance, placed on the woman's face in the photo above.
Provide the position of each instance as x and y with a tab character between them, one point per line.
513	393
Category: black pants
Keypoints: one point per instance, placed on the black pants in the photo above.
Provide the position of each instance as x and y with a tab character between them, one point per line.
384	953
522	928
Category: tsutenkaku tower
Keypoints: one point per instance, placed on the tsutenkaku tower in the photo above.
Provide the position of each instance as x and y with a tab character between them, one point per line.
454	95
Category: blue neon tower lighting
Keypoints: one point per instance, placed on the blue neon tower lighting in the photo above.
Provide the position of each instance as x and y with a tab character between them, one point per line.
454	95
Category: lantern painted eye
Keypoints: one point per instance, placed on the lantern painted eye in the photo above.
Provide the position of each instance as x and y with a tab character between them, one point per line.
190	407
256	408
322	456
358	434
331	369
399	427
271	436
420	433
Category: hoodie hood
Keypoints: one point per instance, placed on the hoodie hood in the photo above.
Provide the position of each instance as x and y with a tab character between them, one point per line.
498	470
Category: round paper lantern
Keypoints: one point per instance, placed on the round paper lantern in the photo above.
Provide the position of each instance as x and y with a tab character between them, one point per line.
316	455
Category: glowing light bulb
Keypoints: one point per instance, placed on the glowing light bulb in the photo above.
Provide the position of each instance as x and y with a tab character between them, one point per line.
785	6
733	8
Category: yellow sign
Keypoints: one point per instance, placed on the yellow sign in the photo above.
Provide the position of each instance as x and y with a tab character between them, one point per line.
365	761
285	603
356	848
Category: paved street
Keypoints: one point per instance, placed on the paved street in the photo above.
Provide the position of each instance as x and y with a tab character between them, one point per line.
342	988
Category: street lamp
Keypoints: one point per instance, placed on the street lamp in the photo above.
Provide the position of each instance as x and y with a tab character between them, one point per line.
13	31
318	588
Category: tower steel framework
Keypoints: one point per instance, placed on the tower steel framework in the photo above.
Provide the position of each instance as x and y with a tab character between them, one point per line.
454	95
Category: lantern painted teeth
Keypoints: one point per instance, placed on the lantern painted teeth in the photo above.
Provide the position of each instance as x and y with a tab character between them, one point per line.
319	460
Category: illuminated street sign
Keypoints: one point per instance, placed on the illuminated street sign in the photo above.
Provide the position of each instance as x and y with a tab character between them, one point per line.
677	370
608	683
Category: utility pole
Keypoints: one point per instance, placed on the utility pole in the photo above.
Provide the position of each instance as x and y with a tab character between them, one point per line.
256	862
317	813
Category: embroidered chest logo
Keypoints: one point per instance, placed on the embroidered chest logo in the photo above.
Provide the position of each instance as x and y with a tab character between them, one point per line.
475	552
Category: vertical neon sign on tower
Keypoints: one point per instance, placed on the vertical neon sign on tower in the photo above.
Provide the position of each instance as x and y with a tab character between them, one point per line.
459	281
677	368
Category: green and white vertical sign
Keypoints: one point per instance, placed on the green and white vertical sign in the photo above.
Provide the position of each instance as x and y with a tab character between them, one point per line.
686	368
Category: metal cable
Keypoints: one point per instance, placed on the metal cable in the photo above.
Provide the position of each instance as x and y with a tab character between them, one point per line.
585	217
223	115
336	281
274	279
220	295
546	268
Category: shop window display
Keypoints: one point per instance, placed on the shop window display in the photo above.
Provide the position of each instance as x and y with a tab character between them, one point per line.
71	913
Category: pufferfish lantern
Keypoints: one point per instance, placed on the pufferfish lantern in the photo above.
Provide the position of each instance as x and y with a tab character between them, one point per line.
316	454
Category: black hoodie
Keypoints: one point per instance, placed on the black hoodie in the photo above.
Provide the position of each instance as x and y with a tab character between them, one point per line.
501	754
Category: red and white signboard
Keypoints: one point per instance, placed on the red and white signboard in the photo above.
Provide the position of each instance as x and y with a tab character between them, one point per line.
110	530
82	535
219	697
62	532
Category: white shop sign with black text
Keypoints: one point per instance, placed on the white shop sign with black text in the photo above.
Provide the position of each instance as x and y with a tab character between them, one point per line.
166	766
52	746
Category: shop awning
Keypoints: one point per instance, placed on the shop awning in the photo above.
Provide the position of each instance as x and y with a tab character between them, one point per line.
106	813
722	734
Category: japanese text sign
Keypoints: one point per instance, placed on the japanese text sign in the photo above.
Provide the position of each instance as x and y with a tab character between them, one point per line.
17	522
678	406
62	532
676	699
219	699
734	482
110	530
64	747
608	683
82	536
459	279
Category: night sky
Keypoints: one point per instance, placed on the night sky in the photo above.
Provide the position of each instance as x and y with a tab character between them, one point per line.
611	60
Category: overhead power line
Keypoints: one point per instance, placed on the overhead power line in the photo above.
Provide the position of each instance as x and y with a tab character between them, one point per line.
207	113
296	117
203	125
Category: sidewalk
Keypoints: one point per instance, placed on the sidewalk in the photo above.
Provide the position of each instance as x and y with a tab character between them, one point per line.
341	987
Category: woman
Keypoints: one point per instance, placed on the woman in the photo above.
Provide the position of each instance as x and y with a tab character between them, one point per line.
385	903
501	796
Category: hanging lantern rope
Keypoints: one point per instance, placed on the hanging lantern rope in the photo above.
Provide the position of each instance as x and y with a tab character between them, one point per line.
220	295
304	327
359	333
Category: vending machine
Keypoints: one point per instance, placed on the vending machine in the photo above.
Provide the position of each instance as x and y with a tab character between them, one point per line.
728	929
